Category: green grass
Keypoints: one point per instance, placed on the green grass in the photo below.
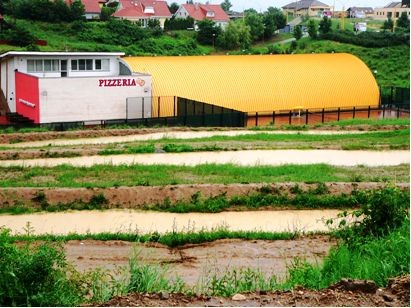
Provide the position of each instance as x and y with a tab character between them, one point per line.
397	139
137	175
170	239
318	198
61	36
391	63
378	260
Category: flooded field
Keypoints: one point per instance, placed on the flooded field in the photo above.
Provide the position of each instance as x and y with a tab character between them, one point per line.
242	158
146	222
165	135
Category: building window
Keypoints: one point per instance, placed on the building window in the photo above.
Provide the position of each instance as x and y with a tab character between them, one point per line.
90	65
39	66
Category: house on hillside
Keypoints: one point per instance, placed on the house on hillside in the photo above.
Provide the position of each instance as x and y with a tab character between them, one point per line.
143	10
311	8
200	12
392	10
360	12
92	8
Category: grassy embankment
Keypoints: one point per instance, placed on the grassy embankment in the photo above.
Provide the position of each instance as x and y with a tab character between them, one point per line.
139	175
377	249
374	140
391	63
266	197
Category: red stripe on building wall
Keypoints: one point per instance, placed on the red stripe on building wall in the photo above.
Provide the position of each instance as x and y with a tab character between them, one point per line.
27	96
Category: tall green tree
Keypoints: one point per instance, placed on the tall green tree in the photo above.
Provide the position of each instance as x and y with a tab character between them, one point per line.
255	22
388	25
208	32
173	7
226	5
298	32
312	29
403	21
77	10
273	20
325	25
236	35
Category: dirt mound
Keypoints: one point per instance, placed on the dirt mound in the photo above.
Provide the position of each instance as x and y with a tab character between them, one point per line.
139	196
396	294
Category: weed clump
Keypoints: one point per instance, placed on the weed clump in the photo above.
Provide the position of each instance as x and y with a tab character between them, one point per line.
34	275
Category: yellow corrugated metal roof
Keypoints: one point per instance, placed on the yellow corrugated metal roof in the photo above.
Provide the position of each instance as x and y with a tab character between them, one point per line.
263	83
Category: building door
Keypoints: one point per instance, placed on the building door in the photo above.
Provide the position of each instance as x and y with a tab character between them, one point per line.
63	68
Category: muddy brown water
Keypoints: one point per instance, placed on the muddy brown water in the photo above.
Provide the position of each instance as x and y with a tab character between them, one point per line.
146	221
242	158
170	135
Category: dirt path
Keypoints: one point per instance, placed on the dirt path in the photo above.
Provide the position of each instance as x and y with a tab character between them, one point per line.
194	262
242	158
163	135
130	221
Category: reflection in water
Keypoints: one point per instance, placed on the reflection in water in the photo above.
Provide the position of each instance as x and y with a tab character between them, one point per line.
146	222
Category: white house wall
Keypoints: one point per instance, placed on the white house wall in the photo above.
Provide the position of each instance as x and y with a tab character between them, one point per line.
8	84
88	99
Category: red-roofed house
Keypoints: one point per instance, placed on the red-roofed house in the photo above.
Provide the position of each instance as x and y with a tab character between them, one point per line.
199	12
92	8
143	11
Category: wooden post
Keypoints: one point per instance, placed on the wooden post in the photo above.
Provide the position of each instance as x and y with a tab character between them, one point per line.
289	117
322	116
353	113
256	119
369	111
383	111
338	114
398	111
273	118
174	106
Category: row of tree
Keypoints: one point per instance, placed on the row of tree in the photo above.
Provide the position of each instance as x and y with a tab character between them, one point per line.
43	10
241	33
325	26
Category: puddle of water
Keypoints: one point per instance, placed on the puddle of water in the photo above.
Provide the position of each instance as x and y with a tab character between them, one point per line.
171	135
145	222
242	158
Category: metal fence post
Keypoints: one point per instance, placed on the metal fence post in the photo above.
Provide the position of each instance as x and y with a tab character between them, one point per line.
203	119
369	111
353	113
142	109
273	118
383	111
158	99
256	119
174	106
289	117
398	111
306	117
338	114
322	116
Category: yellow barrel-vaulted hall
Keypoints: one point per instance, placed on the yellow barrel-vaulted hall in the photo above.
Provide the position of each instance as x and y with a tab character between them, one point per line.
259	83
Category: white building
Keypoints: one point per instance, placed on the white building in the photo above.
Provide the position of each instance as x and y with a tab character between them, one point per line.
55	87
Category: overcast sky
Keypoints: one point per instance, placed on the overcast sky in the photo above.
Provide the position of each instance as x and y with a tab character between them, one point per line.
262	5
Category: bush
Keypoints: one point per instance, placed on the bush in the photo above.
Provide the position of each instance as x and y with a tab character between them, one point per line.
34	275
368	39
